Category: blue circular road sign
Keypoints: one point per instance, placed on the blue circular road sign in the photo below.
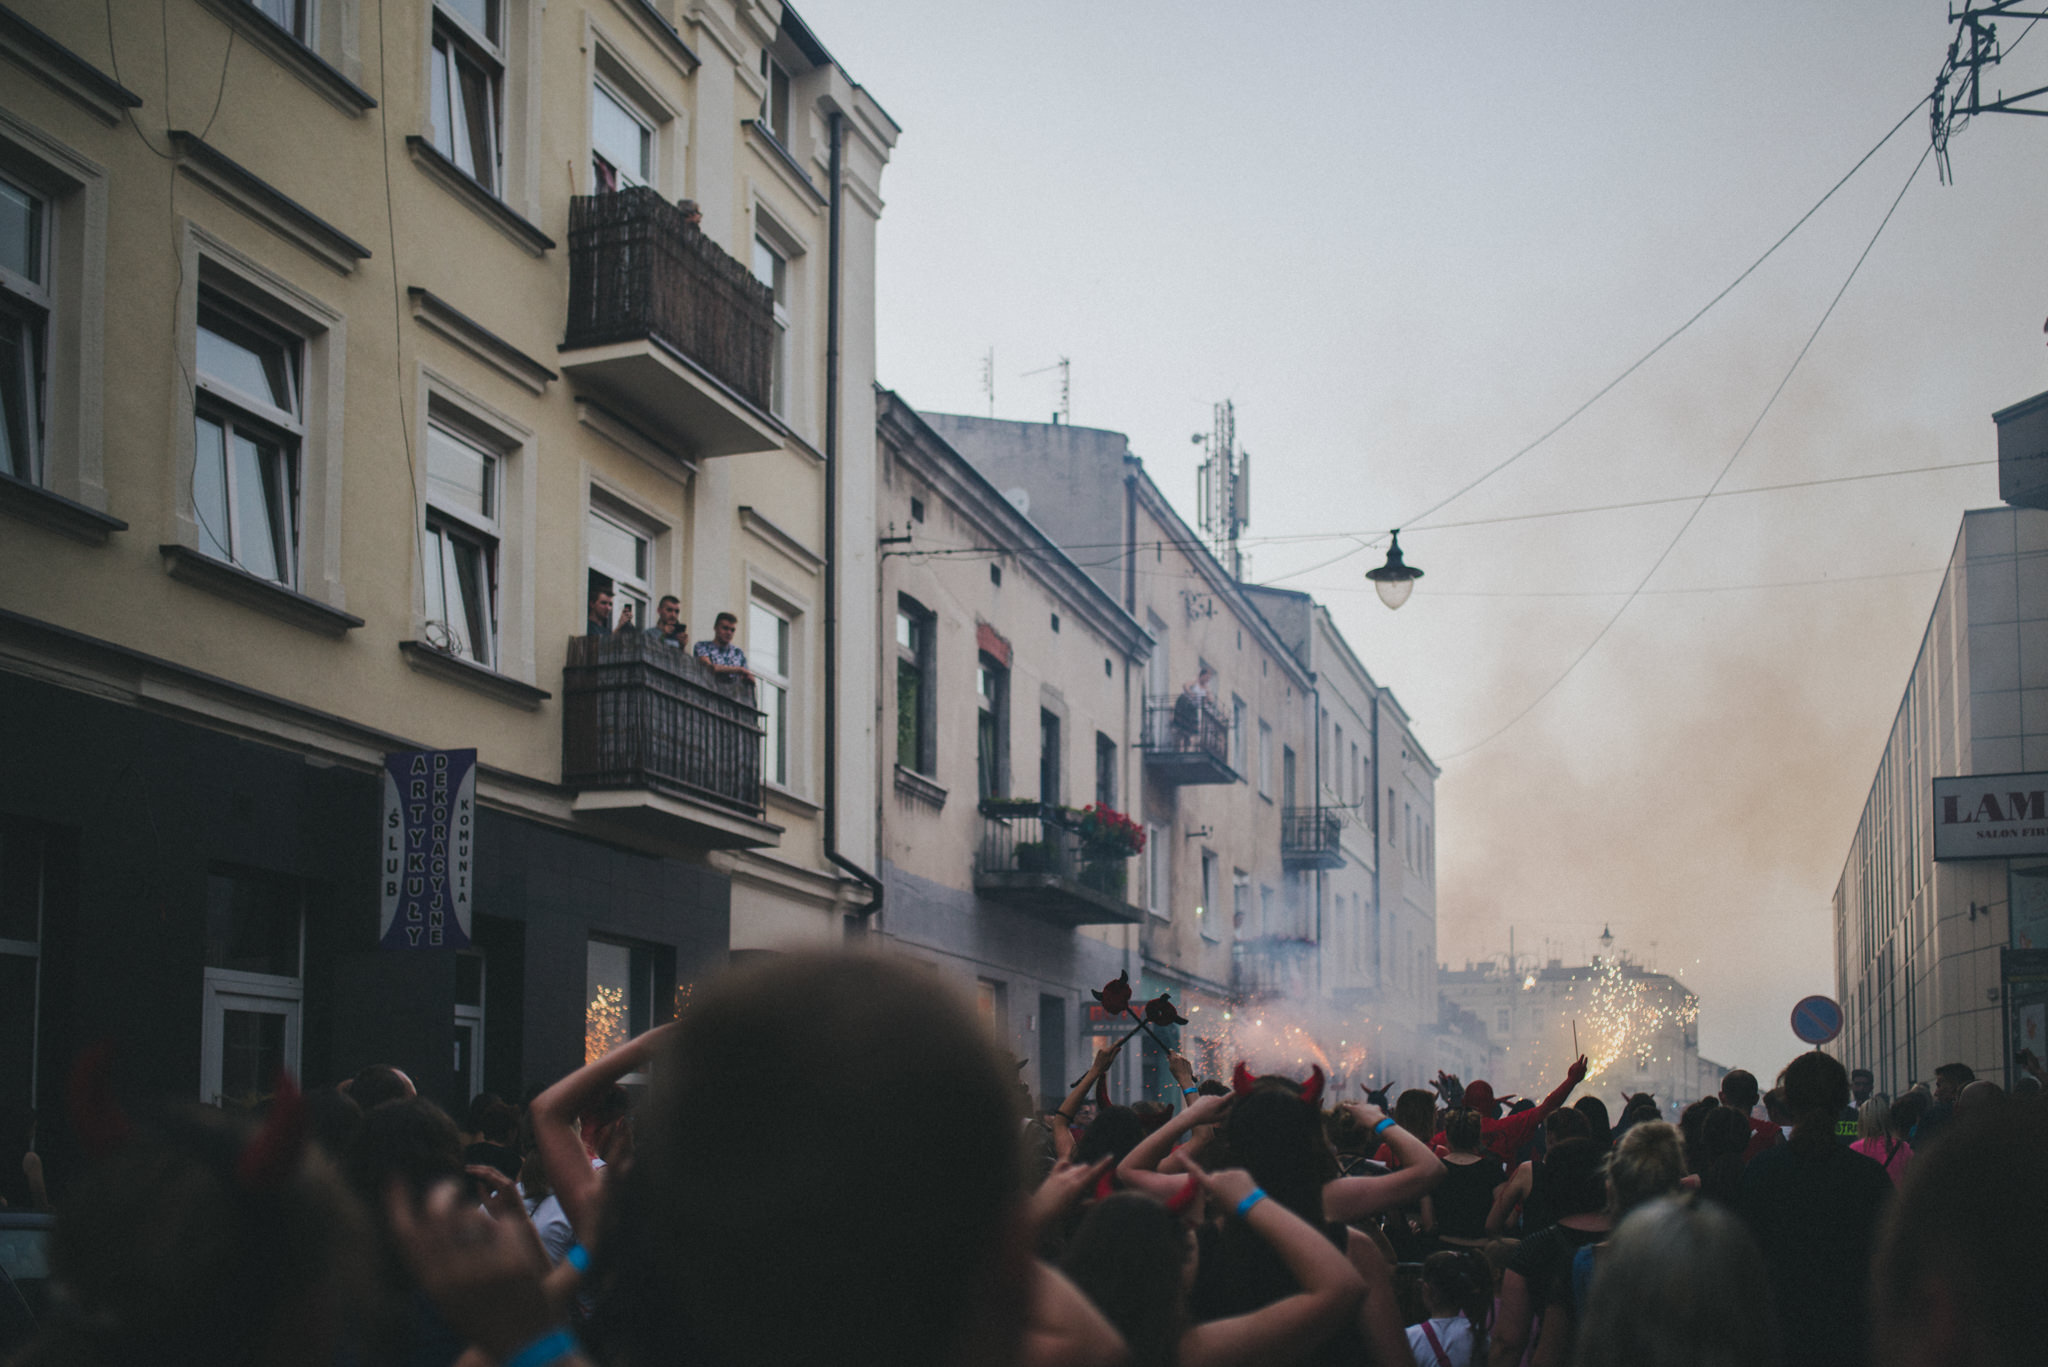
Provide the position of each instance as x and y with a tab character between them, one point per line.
1817	1019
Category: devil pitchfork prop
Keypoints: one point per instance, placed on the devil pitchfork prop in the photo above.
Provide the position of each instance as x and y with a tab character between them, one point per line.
1115	997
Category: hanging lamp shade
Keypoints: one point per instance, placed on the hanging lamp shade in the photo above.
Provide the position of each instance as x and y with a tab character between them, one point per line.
1395	580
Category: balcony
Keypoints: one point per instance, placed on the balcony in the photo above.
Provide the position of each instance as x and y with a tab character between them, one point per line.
667	326
653	740
1274	966
1310	838
1185	741
1031	859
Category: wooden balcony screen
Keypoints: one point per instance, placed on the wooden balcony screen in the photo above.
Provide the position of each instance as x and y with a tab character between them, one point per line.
636	714
637	270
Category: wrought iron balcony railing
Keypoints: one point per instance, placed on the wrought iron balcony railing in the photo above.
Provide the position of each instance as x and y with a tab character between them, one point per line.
1031	857
1310	838
1186	740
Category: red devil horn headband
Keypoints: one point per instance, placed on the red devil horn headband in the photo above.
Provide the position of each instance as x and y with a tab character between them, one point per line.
1312	1090
1241	1079
273	1155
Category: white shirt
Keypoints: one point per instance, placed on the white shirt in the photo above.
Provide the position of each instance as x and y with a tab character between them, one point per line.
1454	1333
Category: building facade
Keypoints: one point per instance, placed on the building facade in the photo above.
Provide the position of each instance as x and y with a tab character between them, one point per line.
1639	1028
366	350
1945	960
1012	679
1368	848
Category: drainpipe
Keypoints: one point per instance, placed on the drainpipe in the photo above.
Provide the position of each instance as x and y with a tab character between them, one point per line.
1315	709
866	879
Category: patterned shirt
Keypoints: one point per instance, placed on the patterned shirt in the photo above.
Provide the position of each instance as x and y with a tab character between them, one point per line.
713	653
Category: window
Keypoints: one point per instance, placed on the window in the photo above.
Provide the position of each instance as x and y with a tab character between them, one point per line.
249	423
1265	760
771	268
621	142
469	1027
992	726
1239	736
1240	903
775	98
621	556
1287	775
24	329
467	94
1158	872
293	16
1356	775
916	713
22	916
628	989
253	984
1048	758
1337	758
768	656
1105	771
459	559
1206	910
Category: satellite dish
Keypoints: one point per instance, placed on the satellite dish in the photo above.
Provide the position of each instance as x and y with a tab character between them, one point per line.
1020	499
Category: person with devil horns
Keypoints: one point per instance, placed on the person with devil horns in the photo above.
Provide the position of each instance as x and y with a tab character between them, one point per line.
1508	1135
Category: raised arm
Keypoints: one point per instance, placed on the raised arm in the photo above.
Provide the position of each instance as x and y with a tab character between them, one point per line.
1289	1328
1572	1078
1507	1196
1354	1198
559	1139
1140	1168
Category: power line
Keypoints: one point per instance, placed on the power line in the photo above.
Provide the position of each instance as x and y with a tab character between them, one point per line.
1741	446
1638	364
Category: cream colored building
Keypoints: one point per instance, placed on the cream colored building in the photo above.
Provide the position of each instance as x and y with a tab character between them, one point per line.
352	347
1015	685
1225	913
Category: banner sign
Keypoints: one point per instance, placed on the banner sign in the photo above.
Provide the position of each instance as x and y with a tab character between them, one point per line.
1990	816
429	845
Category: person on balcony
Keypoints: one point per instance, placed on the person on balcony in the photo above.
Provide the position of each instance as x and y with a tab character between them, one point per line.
600	623
669	627
726	659
1188	709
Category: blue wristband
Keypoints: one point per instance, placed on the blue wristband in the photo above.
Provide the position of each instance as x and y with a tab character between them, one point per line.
1385	1124
1189	1091
1252	1198
546	1349
577	1257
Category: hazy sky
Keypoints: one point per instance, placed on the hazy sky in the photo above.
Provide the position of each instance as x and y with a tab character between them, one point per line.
1408	240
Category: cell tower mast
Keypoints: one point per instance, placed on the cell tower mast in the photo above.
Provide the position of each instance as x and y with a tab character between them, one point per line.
1225	489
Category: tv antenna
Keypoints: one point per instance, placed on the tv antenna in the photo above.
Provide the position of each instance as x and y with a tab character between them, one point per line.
988	378
1066	369
1224	483
1975	47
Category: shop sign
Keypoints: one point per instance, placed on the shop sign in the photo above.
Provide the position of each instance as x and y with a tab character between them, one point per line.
1990	816
428	849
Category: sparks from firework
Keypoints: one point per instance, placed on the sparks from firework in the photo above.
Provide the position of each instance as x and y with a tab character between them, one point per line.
1280	1037
604	1023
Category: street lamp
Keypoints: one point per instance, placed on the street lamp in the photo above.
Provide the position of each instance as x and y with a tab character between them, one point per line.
1395	580
1606	938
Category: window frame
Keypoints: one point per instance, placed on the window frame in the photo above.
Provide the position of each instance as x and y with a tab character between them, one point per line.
638	585
26	303
233	989
1205	911
917	656
1265	760
778	282
774	121
1240	716
650	132
239	413
777	724
304	29
487	54
75	215
481	533
1158	871
992	728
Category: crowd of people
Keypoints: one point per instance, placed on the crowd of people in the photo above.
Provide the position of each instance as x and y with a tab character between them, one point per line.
832	1164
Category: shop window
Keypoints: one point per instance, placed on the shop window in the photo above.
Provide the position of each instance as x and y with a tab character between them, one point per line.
253	985
469	1028
629	988
22	885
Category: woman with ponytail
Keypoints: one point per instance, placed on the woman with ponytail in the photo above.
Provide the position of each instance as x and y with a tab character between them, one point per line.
1457	1286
